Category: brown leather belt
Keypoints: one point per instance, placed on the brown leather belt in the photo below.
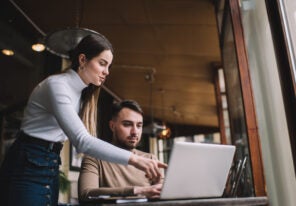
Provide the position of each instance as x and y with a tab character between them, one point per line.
51	146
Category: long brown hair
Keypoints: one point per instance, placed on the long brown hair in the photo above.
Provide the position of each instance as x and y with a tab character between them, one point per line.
90	46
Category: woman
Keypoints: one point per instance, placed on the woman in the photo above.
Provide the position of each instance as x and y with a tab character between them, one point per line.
29	173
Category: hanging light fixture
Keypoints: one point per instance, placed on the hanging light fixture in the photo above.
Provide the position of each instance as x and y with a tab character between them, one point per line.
62	41
165	133
7	52
38	47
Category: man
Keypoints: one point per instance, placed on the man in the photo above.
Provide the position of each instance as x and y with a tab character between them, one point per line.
99	177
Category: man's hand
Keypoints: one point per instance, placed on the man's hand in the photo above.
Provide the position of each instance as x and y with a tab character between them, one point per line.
152	191
149	166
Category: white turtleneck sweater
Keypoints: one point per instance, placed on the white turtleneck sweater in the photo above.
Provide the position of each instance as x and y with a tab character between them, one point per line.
52	114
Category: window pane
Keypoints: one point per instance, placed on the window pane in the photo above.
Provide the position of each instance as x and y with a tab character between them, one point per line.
289	19
236	110
270	111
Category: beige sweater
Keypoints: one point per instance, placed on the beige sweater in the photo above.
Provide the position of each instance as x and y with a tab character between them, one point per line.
99	177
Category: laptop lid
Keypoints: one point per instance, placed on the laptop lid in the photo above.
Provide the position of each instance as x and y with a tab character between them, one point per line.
197	170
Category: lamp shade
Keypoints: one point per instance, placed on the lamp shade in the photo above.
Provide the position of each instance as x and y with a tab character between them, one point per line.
62	41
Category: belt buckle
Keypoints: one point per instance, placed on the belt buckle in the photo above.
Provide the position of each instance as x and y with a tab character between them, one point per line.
50	146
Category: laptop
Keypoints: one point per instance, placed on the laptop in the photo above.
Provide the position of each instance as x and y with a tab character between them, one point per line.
197	170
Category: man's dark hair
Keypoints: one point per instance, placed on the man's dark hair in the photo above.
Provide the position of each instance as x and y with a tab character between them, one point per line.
131	104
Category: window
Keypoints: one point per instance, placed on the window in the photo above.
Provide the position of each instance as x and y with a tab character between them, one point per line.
288	8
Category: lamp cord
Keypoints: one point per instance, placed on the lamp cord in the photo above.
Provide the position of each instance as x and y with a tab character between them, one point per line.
150	103
28	18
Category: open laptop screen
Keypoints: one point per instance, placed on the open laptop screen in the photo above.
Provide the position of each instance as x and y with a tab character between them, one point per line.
197	170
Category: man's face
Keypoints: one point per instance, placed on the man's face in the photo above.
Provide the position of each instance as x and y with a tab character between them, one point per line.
127	128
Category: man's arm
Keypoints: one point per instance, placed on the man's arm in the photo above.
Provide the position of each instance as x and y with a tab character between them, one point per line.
91	175
88	182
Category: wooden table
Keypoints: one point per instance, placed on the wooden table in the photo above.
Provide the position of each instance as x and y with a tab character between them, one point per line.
247	201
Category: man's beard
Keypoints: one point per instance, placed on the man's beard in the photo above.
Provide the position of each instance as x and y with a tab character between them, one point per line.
122	144
126	146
